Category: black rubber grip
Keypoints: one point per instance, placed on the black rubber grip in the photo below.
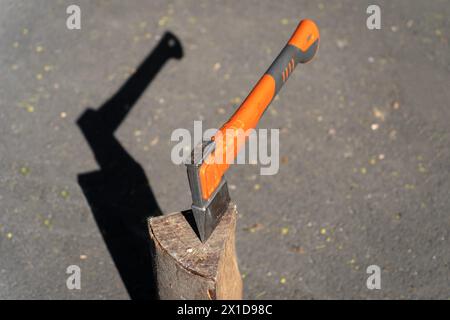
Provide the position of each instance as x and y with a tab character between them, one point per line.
286	62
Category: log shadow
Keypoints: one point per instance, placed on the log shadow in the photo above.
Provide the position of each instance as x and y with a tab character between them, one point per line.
119	193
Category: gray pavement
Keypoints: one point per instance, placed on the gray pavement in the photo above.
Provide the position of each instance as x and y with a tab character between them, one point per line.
365	144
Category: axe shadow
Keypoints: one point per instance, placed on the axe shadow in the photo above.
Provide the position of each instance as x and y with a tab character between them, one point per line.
119	193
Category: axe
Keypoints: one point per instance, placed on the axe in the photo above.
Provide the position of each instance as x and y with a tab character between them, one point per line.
211	159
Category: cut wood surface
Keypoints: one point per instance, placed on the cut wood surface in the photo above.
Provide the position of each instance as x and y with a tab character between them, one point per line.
185	267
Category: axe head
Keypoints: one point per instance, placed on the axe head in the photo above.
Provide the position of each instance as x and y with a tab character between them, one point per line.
207	212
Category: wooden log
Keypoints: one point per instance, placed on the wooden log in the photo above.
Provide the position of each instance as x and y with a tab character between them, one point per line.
185	267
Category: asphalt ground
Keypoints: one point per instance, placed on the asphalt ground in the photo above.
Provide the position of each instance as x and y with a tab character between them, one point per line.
364	144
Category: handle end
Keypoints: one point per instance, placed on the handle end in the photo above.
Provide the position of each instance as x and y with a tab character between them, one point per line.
306	35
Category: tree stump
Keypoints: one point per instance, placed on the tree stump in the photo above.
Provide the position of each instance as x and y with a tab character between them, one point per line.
185	267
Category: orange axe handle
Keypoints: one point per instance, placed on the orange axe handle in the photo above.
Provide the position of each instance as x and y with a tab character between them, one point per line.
301	48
